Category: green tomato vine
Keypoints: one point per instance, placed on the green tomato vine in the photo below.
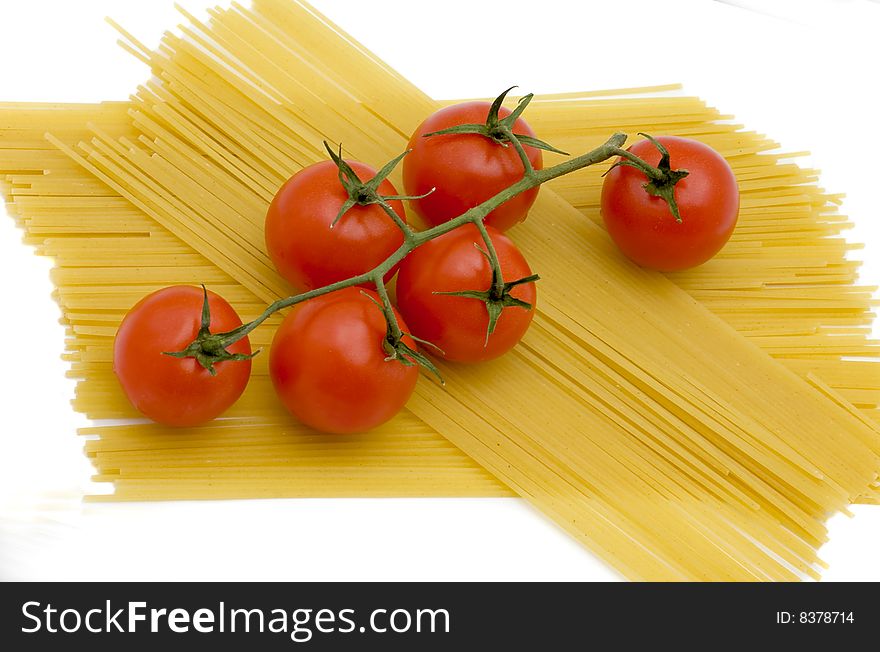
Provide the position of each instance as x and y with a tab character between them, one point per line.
210	348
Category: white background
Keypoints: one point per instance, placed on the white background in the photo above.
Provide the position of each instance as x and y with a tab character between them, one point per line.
802	71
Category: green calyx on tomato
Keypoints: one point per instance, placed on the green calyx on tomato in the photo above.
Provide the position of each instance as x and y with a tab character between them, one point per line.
498	296
398	349
500	130
366	193
661	179
394	345
210	348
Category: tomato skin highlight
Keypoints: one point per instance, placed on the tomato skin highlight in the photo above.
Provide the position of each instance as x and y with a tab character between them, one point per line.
457	325
303	247
466	169
644	228
177	391
329	367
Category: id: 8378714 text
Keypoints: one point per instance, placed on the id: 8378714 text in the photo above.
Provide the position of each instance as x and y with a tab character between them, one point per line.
814	617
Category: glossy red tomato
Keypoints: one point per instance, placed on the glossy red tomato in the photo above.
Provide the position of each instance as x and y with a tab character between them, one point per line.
329	367
177	391
466	169
643	225
457	325
303	247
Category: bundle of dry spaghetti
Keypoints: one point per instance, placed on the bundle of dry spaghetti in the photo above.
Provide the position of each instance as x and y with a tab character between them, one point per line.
673	447
98	238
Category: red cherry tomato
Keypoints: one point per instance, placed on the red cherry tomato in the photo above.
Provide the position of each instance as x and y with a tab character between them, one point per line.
177	391
303	247
329	366
457	325
466	169
643	225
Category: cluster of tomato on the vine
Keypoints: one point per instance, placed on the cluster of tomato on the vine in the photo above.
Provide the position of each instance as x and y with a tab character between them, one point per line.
346	360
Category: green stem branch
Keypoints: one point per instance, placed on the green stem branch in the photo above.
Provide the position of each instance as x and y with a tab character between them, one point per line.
653	173
520	150
394	332
497	288
398	220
